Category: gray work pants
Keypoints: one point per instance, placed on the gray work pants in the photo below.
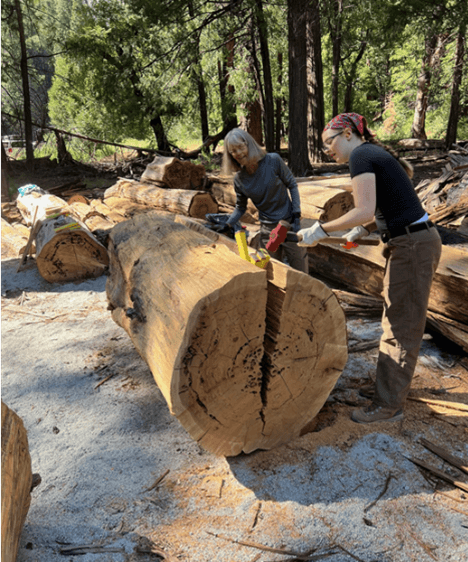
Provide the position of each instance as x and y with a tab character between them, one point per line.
412	260
296	256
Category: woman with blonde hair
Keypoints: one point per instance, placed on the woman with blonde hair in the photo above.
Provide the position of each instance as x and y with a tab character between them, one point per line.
266	180
385	199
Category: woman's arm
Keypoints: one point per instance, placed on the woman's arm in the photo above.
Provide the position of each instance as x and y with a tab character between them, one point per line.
365	198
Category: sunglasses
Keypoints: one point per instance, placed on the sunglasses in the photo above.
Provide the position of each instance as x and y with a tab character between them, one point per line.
329	142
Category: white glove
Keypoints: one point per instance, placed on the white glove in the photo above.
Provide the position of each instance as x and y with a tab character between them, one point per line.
311	236
356	233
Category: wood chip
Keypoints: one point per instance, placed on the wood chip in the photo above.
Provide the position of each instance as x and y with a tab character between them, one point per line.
445	455
450	405
440	474
158	481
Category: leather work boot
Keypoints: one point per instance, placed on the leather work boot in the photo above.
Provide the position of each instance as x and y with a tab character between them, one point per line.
373	413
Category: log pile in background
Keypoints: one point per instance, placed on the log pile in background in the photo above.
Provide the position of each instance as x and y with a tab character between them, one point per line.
362	270
182	201
446	198
62	253
17	481
245	357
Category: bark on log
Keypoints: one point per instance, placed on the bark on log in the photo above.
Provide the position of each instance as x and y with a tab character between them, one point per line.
245	357
68	255
16	482
362	269
14	239
223	191
192	203
175	173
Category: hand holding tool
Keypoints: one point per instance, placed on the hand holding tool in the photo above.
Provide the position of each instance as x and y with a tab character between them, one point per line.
281	233
259	258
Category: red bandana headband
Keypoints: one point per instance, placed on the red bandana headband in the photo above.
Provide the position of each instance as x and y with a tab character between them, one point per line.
344	120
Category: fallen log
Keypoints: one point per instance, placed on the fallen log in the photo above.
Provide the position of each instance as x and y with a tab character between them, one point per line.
186	202
64	253
16	481
362	269
174	173
245	357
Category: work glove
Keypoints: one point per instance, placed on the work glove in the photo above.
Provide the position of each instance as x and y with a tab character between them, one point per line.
296	224
222	229
357	233
311	236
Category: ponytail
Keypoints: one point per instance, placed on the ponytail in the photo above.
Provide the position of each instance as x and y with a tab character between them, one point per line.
369	137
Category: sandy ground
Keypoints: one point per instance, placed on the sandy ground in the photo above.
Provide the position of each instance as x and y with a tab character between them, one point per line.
341	492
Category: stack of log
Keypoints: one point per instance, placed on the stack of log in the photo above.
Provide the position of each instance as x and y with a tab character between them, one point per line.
65	248
446	198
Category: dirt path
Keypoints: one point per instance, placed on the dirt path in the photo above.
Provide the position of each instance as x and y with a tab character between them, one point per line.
100	436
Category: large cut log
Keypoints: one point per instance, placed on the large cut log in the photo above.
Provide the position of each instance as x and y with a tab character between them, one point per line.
186	202
362	269
324	203
14	239
245	357
223	190
64	254
175	173
323	200
16	481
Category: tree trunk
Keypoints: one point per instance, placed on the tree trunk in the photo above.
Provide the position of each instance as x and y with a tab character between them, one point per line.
175	173
5	180
160	134
252	122
350	79
316	114
16	482
228	106
25	81
198	76
245	357
424	80
279	106
335	26
297	53
269	116
451	136
186	202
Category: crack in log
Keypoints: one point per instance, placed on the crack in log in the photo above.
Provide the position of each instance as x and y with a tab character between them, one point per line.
275	302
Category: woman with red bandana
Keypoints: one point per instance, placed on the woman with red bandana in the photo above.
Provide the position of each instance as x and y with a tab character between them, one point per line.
385	199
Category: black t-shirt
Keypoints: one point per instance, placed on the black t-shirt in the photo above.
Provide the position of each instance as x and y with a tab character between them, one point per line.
397	202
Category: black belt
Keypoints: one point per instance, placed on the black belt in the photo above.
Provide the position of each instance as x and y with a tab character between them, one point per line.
387	234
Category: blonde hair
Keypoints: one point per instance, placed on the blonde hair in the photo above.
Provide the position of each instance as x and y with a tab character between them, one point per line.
238	136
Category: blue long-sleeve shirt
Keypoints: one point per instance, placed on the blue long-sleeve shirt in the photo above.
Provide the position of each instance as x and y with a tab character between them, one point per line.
272	189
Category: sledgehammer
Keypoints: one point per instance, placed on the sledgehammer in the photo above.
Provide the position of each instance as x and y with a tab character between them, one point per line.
281	233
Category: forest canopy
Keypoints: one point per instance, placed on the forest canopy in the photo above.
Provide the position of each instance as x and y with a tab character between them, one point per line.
174	73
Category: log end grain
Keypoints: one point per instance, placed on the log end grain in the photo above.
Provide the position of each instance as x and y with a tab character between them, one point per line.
16	481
